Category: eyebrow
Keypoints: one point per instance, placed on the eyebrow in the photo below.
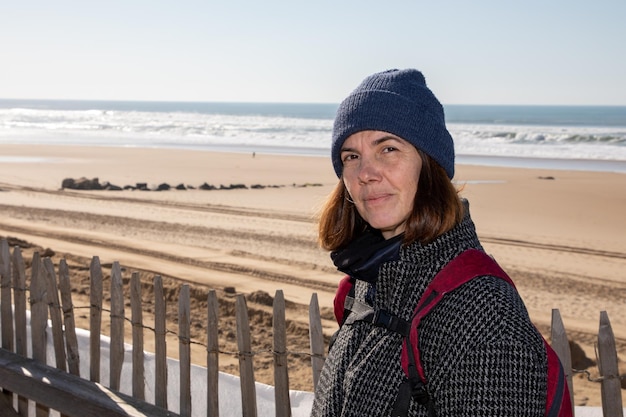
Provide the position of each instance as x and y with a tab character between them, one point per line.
375	142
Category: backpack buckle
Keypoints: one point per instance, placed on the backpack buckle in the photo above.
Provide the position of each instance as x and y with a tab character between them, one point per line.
419	392
383	318
379	318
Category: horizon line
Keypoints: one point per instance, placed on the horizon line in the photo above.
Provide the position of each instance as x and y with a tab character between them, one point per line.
287	102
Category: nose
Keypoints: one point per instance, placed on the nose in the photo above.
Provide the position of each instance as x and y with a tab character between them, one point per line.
369	170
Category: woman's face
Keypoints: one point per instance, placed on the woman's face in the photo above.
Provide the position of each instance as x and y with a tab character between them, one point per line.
381	172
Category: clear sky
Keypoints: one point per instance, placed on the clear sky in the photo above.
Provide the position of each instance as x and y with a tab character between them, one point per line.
471	52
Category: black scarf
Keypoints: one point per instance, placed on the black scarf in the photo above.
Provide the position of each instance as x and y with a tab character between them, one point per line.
364	255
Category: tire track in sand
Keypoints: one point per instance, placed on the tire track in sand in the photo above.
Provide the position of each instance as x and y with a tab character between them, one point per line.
51	216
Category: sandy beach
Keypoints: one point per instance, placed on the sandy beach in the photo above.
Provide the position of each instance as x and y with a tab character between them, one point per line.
560	234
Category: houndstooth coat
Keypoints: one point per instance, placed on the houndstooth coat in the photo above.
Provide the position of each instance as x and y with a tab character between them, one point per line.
481	354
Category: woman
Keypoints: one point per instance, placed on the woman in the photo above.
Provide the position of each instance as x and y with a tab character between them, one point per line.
393	221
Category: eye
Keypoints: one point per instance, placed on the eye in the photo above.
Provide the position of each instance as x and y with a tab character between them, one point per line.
349	157
388	149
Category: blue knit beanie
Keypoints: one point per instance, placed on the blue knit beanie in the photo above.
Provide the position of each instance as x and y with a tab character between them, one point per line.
400	103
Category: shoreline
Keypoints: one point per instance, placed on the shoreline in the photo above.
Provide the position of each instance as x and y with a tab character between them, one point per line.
591	165
560	164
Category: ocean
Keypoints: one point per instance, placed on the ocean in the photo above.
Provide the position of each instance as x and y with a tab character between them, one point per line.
561	137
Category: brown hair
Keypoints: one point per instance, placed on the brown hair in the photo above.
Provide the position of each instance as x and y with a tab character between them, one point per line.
437	208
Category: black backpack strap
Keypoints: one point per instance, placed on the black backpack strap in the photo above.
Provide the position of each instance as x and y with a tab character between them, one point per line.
381	318
355	310
403	400
412	387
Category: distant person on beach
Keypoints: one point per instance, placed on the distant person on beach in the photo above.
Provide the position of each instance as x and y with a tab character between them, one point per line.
394	221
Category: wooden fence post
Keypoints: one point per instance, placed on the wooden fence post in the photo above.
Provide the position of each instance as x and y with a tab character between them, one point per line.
54	308
213	409
95	318
38	309
116	350
6	305
560	344
138	346
246	368
609	372
38	316
281	369
316	338
184	348
19	298
71	341
160	344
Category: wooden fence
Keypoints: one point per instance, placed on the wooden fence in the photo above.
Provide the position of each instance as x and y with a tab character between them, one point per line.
29	382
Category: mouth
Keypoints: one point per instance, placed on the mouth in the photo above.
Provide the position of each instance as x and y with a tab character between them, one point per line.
373	199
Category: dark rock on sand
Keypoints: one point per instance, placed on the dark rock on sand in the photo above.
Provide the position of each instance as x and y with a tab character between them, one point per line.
233	187
261	297
206	186
111	187
81	184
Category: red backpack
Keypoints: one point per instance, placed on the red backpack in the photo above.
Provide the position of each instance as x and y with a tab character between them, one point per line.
465	267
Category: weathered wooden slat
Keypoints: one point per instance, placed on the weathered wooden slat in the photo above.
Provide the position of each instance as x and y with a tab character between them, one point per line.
609	370
54	308
560	344
137	323
95	318
68	393
38	318
213	308
71	341
6	304
281	368
38	309
316	339
117	327
19	299
246	368
184	350
160	344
